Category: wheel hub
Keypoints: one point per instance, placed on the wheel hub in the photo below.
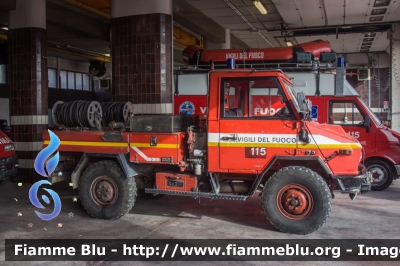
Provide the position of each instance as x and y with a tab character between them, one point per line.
377	174
294	201
104	191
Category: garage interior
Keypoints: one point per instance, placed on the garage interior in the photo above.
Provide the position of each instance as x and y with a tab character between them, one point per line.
76	37
363	32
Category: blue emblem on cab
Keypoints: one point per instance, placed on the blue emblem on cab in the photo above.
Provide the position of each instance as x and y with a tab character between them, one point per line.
187	108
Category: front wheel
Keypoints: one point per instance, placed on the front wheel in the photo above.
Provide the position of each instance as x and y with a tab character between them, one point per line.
105	192
296	200
382	175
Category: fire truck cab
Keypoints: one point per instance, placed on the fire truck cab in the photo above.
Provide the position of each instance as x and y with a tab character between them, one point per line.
381	144
256	136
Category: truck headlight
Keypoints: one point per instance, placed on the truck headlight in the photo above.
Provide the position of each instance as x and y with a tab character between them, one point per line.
9	147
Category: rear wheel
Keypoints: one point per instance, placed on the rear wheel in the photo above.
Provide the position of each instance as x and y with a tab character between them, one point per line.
382	175
296	200
105	192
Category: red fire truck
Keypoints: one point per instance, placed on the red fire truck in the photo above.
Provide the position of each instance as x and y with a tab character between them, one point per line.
230	154
8	159
381	144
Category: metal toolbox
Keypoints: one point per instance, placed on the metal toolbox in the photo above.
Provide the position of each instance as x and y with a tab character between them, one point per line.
176	181
164	148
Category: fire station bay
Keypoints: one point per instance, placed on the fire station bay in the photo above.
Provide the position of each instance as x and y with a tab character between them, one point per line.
199	120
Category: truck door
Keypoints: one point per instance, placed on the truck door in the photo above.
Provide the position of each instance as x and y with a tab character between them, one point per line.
256	123
349	115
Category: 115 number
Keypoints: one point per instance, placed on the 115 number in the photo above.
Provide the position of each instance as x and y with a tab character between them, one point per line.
252	152
354	134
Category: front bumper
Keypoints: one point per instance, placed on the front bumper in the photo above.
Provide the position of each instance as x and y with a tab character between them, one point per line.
354	184
397	167
8	167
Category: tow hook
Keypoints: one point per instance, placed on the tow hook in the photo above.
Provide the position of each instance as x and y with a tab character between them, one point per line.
353	195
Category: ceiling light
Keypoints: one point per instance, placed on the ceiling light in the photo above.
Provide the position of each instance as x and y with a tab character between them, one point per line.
370	35
377	18
378	11
4	27
248	22
289	43
379	3
260	7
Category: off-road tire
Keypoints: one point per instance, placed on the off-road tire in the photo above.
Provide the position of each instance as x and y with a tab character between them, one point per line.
380	167
124	190
315	195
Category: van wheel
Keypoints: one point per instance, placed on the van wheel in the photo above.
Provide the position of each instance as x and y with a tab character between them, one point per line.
105	192
382	175
296	200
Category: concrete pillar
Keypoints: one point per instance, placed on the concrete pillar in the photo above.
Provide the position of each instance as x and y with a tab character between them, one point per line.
28	83
226	45
395	78
141	52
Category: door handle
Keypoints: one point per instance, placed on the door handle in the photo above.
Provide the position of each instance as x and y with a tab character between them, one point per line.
229	138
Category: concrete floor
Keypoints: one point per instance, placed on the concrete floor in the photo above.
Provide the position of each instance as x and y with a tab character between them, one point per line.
372	215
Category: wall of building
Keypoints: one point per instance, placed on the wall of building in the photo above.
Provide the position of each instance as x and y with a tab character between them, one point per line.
65	95
378	86
363	60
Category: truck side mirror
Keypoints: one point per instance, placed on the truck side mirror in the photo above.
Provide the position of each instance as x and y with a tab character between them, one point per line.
303	136
367	123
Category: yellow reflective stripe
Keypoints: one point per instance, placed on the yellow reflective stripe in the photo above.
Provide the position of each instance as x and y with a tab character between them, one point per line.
270	145
331	146
91	143
147	145
291	145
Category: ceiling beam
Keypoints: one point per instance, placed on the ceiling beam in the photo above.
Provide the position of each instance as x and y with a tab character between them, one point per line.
335	29
186	14
77	22
8	5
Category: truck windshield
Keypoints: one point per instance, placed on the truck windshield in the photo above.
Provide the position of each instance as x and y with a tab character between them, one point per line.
293	94
371	114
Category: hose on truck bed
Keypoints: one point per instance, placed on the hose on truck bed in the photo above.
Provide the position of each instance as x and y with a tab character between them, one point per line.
76	113
86	113
116	112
